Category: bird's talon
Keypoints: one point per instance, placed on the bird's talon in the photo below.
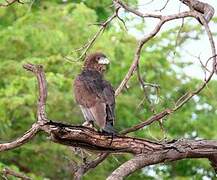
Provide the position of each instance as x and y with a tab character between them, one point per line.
88	124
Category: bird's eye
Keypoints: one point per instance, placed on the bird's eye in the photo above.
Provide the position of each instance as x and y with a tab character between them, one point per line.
98	58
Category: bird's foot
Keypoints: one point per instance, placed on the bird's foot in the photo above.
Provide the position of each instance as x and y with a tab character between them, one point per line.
89	124
105	133
109	129
109	132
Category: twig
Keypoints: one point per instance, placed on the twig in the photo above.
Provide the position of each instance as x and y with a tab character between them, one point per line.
89	44
135	63
148	121
10	2
89	165
144	85
145	39
179	33
103	26
179	103
7	171
164	6
136	12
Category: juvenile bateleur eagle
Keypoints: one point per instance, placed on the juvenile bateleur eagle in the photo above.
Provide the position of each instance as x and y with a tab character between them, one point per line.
95	96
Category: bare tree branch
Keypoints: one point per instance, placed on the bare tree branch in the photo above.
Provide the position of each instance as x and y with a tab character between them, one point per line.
103	26
42	86
41	115
147	152
89	44
10	2
79	136
136	12
6	172
144	85
172	151
165	5
90	165
22	140
149	121
213	160
184	99
145	39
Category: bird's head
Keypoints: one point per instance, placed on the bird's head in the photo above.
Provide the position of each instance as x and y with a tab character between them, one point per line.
96	61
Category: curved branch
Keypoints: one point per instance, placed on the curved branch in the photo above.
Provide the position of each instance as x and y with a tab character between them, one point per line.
147	152
90	43
147	122
89	165
6	172
42	87
41	115
136	12
145	39
186	97
173	151
87	138
21	140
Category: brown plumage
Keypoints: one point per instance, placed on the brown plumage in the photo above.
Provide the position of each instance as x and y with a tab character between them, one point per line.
95	95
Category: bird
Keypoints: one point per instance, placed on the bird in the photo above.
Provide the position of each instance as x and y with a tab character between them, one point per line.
95	95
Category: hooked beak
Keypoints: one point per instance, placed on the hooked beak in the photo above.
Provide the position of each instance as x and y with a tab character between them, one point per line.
103	60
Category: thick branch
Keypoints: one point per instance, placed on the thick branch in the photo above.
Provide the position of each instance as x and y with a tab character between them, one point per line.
87	138
213	160
149	152
173	151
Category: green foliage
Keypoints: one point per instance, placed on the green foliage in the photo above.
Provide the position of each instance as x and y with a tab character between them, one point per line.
46	33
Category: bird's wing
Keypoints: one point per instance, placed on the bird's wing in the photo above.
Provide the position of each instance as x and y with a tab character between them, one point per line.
109	96
96	98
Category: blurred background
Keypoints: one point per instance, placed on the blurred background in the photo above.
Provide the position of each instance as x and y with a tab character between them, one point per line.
46	32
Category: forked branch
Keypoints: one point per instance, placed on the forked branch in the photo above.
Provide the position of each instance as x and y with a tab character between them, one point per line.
79	136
